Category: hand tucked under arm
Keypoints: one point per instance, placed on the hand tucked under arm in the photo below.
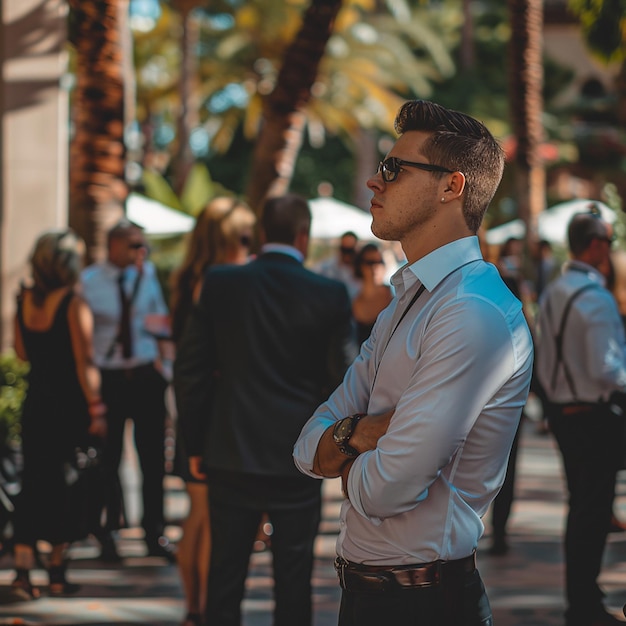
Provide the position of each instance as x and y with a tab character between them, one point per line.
195	468
330	462
369	430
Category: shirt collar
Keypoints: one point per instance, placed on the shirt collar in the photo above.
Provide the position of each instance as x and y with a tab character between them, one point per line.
283	248
115	271
112	270
434	267
592	272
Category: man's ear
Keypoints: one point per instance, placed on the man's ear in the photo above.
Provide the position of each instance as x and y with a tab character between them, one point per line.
302	242
454	186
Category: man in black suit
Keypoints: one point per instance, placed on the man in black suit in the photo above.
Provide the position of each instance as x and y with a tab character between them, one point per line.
265	344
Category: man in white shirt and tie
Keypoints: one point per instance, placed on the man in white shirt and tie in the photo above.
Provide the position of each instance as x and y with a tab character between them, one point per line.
132	384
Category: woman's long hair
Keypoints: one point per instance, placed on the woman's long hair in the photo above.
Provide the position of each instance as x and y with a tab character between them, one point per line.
218	231
56	261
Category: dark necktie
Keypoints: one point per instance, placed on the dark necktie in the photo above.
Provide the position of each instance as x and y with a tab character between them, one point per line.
124	336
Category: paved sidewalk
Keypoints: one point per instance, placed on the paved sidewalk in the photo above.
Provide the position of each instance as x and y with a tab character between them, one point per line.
525	585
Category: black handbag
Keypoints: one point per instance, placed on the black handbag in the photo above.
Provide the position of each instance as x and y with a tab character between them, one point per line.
86	459
85	488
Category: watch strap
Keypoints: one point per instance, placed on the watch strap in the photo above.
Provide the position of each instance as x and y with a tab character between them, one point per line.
344	448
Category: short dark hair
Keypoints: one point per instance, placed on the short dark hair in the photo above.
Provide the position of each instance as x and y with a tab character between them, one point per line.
349	233
460	143
285	217
121	230
583	228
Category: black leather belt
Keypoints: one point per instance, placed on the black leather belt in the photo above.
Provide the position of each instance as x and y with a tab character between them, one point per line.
381	578
128	372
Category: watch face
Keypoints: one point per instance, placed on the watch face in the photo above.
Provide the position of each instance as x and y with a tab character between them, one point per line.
343	430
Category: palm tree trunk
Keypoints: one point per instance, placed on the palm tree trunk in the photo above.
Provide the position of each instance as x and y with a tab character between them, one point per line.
468	53
280	138
526	72
188	115
97	153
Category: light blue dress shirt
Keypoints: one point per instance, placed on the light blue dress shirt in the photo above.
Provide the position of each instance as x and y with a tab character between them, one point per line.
457	370
100	289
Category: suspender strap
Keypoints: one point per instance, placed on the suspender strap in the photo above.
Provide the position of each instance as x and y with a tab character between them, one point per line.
558	340
416	295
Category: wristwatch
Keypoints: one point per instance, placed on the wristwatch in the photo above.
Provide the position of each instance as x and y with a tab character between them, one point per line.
343	430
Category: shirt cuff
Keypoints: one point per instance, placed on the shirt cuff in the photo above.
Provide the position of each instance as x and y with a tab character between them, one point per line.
306	445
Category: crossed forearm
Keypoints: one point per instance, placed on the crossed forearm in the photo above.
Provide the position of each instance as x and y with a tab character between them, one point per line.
329	462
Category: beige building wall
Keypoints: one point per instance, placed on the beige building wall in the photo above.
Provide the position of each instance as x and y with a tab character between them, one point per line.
564	43
34	137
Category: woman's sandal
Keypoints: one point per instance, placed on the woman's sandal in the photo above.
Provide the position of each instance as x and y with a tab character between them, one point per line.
193	619
58	583
22	588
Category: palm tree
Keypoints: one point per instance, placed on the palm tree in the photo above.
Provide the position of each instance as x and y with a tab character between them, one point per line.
281	133
188	116
526	81
371	60
354	86
97	153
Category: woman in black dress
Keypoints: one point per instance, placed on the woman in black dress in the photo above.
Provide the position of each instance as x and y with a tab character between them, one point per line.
53	332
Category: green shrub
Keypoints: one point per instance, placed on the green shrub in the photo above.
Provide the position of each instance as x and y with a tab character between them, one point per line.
13	386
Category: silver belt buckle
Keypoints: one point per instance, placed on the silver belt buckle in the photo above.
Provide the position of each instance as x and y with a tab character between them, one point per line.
340	566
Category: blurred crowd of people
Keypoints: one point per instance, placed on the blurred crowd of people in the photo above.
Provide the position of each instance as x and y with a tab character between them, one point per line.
73	327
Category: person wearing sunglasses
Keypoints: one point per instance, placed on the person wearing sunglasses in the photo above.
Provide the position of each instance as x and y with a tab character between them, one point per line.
341	266
421	427
581	369
374	294
123	292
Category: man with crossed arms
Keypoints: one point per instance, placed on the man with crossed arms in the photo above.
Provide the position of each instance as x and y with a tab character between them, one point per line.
422	425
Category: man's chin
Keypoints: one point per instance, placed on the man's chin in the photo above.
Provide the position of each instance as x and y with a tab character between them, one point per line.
380	232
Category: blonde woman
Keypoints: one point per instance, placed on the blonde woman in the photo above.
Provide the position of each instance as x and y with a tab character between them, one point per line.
222	235
53	332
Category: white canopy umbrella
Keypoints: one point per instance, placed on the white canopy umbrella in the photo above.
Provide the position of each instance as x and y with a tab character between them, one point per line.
497	235
553	222
155	218
332	218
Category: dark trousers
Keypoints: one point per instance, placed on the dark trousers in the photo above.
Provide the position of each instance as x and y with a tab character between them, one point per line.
236	506
425	606
590	444
136	394
501	507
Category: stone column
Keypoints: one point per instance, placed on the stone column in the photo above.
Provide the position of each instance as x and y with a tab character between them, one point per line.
33	137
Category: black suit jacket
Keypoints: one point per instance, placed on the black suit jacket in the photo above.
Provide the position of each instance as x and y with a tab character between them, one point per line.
266	344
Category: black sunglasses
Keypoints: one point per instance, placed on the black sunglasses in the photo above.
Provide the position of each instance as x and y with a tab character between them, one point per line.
391	166
137	245
609	240
372	262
